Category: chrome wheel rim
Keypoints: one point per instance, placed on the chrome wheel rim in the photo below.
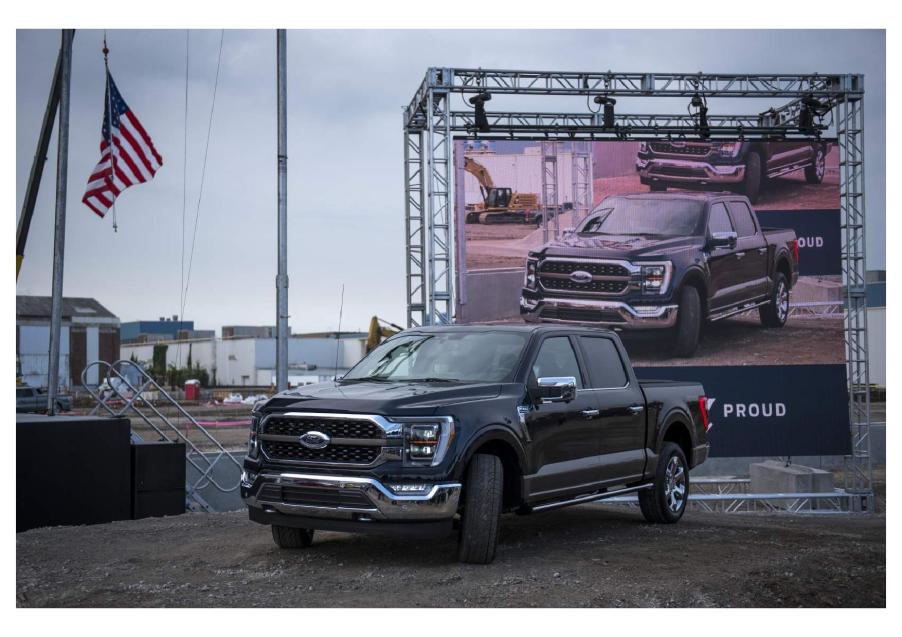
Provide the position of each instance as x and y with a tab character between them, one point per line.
675	484
819	164
782	301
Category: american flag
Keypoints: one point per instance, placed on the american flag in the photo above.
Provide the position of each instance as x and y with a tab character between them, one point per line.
127	154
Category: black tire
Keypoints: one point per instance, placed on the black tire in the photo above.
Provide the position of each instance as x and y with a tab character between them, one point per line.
814	174
288	537
775	313
656	187
751	186
480	519
689	322
665	503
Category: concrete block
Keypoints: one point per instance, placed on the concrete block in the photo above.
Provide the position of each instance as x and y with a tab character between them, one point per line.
773	476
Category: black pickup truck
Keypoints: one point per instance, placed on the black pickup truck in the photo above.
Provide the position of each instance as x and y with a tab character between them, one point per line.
663	261
741	165
445	428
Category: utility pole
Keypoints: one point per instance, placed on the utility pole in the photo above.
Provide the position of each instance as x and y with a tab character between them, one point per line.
282	276
59	229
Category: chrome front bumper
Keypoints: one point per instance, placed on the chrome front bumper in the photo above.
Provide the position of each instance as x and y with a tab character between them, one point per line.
603	313
688	171
348	498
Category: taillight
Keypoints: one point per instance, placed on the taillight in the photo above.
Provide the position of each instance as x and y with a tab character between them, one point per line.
703	412
794	245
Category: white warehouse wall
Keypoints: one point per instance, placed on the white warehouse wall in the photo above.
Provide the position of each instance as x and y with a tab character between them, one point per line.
877	345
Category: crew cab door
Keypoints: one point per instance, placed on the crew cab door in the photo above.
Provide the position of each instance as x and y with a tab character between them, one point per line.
725	265
564	435
754	262
620	425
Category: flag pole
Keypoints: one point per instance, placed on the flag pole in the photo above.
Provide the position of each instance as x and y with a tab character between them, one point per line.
59	229
109	123
282	275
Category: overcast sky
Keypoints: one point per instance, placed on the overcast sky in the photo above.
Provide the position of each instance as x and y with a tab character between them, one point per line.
345	181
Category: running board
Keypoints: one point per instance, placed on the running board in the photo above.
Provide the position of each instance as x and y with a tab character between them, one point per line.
738	310
592	497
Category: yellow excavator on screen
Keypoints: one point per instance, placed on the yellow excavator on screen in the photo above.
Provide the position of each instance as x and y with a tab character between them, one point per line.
499	204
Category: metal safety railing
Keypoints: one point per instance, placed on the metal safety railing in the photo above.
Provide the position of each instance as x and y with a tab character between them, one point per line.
731	495
127	381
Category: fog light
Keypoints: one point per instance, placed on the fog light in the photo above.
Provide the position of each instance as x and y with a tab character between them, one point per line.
247	478
409	488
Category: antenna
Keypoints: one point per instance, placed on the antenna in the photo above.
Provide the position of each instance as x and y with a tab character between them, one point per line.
341	309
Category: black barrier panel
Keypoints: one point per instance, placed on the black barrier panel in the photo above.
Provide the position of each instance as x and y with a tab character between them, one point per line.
771	410
819	237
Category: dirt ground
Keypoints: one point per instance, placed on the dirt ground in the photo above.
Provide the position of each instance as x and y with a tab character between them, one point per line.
585	556
742	340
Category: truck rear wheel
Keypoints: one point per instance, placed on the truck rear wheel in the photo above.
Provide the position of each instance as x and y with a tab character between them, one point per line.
814	174
483	491
288	537
775	313
665	503
751	187
689	321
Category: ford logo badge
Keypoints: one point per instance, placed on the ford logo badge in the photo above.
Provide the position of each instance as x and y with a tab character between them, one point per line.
314	440
580	276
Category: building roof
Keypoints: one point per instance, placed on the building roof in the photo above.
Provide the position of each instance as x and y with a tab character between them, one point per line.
38	307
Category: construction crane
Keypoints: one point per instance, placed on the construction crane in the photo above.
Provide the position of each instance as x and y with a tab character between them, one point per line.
380	329
499	204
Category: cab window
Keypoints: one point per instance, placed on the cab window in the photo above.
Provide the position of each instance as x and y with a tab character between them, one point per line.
604	363
719	220
557	358
745	221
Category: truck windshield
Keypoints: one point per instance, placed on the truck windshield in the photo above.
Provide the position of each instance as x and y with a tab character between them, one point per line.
487	357
652	216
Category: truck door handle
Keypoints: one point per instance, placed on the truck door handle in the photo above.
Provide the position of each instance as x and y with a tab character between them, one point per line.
590	413
636	409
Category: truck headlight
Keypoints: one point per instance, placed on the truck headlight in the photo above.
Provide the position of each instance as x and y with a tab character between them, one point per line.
655	278
531	265
729	149
426	441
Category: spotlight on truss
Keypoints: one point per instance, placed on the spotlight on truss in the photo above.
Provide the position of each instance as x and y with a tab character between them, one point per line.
700	114
478	101
607	104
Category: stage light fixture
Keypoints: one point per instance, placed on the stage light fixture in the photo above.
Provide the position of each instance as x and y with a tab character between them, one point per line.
607	104
478	101
700	104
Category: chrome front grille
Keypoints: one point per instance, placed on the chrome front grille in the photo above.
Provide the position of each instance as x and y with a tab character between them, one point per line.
352	439
334	427
343	454
678	148
573	276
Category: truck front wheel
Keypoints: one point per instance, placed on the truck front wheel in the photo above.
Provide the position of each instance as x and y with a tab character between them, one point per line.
751	187
480	519
689	321
775	313
287	537
665	502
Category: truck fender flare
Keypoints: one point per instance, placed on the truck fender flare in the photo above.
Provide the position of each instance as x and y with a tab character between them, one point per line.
678	417
491	433
693	272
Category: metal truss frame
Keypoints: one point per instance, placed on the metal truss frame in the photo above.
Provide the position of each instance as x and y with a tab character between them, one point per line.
430	125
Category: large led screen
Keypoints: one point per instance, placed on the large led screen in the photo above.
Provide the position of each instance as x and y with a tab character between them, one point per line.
714	260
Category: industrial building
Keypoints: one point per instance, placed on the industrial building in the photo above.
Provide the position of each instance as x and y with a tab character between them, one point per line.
876	295
163	329
89	332
251	360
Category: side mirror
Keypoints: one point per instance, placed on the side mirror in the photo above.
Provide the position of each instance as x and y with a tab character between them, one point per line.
556	389
723	240
569	230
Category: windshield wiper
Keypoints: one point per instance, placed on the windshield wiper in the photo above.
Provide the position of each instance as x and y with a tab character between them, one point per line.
432	379
364	379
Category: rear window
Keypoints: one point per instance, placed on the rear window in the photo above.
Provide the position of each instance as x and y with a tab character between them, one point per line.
743	217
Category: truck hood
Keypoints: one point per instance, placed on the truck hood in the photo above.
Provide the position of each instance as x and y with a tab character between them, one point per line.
629	247
380	398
